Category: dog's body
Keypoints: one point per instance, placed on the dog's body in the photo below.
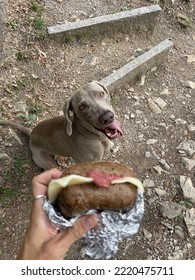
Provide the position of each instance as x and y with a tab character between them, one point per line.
83	132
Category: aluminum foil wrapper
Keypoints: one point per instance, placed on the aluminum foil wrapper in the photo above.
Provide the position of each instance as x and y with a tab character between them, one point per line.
102	241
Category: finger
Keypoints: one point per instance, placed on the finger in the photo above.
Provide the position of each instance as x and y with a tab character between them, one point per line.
41	181
80	227
45	177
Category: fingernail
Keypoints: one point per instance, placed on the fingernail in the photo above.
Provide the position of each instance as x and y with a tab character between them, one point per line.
90	221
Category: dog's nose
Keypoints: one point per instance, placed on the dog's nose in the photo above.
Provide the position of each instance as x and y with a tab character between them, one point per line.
106	118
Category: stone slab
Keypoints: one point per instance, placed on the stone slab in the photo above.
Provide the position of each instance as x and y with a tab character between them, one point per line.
139	66
137	20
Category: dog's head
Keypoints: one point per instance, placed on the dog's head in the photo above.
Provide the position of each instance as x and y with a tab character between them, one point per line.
92	104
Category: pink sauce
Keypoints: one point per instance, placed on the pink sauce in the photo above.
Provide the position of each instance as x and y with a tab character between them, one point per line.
101	179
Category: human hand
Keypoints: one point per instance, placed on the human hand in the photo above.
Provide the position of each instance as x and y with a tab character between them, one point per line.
42	241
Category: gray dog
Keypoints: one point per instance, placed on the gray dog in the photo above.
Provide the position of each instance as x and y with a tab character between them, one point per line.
83	132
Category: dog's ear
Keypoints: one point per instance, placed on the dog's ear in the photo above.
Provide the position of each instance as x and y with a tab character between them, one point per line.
67	110
104	87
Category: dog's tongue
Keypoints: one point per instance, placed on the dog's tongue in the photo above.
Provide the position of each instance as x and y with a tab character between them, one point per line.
113	130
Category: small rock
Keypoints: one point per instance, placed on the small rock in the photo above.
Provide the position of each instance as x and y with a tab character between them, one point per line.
5	161
140	137
153	69
159	169
65	83
21	107
103	44
132	116
163	125
115	149
126	117
138	112
148	183
171	210
5	156
164	164
165	92
191	127
190	84
147	234
15	136
180	121
190	221
167	225
160	192
183	20
136	98
151	141
179	231
147	154
34	76
188	146
94	61
131	89
187	187
153	106
182	152
142	82
155	154
2	212
177	255
190	163
151	200
160	102
172	117
190	58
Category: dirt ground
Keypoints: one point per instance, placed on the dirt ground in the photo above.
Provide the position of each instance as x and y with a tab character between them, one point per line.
38	73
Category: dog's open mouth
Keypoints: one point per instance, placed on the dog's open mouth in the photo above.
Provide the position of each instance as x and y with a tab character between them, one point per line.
112	131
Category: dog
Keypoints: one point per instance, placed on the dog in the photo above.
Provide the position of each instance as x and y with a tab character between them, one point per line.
83	132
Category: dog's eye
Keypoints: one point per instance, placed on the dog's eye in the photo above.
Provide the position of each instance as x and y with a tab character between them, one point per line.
101	93
83	106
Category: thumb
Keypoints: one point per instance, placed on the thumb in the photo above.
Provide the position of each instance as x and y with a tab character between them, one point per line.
80	227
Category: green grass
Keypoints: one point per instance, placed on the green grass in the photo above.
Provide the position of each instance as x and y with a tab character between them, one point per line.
68	39
20	55
17	168
36	106
188	203
38	23
125	8
14	172
6	193
13	25
17	86
139	52
36	20
36	7
114	102
17	164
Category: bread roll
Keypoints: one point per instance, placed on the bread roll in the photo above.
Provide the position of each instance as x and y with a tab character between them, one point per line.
76	199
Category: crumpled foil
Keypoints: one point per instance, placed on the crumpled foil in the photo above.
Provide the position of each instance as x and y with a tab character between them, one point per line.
102	241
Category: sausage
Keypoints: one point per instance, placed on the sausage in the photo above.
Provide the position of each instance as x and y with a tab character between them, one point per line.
76	199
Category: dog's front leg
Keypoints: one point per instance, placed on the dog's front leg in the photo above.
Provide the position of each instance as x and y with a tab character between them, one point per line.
106	146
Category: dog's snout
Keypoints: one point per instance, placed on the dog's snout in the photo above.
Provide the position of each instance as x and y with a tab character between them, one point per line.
106	118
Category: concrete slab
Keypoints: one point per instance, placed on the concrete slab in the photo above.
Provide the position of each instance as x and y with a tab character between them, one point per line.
137	20
137	67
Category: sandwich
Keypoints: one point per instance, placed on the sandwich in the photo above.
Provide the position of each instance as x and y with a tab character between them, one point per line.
94	185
